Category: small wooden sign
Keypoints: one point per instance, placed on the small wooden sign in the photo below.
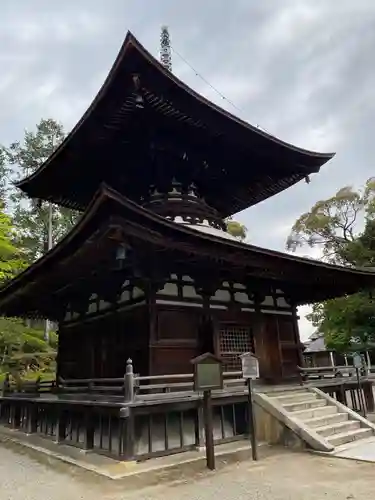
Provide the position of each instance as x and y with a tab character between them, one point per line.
250	366
208	372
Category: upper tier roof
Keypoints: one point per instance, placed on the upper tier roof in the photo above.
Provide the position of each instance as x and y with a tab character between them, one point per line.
234	164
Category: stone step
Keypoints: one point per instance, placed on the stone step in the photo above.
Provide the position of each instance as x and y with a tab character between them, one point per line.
315	412
294	398
338	428
278	393
305	405
329	419
350	436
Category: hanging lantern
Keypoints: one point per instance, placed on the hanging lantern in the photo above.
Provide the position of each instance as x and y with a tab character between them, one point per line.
121	253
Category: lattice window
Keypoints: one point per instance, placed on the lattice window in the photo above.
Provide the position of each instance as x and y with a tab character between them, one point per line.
233	341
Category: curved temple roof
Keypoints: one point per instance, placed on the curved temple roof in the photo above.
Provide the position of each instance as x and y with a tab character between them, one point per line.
247	164
78	253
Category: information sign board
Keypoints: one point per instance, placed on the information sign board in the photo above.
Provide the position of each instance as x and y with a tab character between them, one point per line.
250	366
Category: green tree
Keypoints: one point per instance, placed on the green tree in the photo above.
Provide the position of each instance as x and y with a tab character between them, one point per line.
343	228
11	258
336	224
236	229
23	349
19	160
347	322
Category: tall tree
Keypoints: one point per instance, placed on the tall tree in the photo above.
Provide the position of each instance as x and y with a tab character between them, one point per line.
19	160
21	348
11	258
343	228
334	225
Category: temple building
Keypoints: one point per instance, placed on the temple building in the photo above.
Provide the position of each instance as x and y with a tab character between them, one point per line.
149	272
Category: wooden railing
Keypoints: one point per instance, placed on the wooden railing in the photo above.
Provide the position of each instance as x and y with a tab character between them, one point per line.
133	386
37	386
341	383
125	424
128	388
136	417
326	372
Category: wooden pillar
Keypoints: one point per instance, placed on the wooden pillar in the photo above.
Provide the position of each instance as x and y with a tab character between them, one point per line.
368	362
89	431
128	435
260	342
266	339
206	333
369	397
59	356
341	395
15	415
206	286
61	426
151	291
332	359
32	418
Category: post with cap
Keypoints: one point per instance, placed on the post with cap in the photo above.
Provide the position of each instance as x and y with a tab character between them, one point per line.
250	371
208	376
358	365
129	382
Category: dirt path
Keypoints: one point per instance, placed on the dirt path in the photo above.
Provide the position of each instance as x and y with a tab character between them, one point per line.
283	476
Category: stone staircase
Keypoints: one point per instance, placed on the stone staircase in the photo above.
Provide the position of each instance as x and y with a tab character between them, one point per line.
319	420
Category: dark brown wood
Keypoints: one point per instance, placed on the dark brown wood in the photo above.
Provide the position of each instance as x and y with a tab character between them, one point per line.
208	430
89	431
369	397
188	163
163	120
61	426
32	418
251	421
86	261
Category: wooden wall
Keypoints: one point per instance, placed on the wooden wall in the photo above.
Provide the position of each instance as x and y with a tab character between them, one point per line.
274	341
100	348
175	341
164	338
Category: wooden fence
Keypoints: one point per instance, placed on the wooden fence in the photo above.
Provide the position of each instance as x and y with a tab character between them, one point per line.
137	417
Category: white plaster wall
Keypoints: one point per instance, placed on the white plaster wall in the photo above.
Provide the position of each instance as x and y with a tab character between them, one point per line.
169	289
188	291
281	302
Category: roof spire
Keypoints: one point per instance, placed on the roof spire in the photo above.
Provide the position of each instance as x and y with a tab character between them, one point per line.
165	48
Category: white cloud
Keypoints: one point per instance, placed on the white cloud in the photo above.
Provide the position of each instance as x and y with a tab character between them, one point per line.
305	327
293	20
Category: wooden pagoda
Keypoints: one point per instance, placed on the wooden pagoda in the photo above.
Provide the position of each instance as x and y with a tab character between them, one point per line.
149	272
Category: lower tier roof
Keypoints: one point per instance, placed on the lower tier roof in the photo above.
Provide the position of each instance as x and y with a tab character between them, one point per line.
85	259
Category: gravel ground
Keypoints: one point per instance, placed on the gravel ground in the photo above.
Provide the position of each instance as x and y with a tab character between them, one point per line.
284	476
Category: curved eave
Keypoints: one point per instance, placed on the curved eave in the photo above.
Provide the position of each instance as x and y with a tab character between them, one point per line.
131	46
175	233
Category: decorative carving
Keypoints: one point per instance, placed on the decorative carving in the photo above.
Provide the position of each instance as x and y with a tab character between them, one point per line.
181	200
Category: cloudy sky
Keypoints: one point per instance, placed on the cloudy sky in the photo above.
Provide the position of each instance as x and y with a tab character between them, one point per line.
304	70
